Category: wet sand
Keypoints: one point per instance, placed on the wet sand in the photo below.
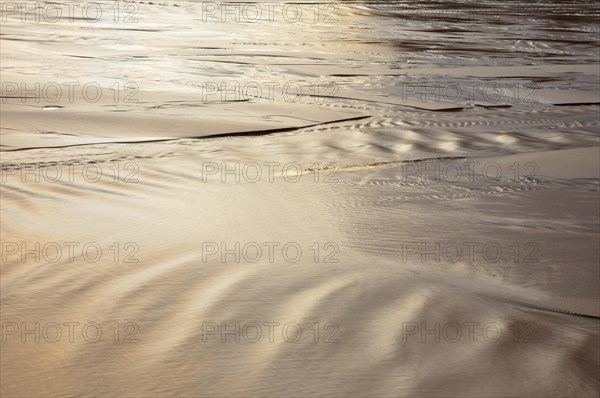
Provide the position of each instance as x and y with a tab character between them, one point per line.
426	241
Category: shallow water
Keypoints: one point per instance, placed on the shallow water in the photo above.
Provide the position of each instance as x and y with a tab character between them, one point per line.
395	97
389	49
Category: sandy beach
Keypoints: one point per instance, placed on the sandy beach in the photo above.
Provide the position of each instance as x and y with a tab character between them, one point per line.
342	199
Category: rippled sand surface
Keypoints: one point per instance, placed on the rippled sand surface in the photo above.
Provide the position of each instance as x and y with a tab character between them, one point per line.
442	242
